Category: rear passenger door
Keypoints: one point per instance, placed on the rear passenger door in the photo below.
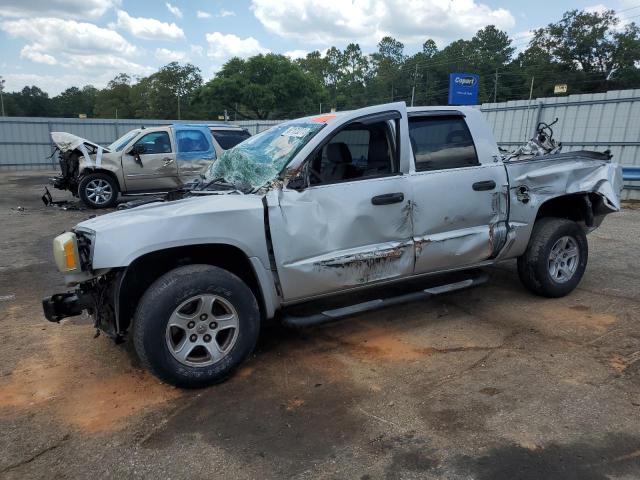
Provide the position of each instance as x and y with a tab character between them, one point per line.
460	207
195	151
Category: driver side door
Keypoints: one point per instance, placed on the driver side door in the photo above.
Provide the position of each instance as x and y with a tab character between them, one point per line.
350	225
154	168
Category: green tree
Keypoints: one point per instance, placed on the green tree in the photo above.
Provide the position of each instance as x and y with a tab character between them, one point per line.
264	86
168	93
591	42
115	101
74	101
30	102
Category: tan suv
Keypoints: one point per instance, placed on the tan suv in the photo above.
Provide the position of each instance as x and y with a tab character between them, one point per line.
142	161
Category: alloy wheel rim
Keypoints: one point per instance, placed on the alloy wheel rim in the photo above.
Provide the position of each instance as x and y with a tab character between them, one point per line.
563	259
202	330
99	191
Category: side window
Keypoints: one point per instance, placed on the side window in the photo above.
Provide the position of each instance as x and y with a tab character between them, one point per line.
355	152
441	142
230	138
191	141
155	142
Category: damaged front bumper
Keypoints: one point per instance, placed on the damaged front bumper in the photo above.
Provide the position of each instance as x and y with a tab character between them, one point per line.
97	297
63	305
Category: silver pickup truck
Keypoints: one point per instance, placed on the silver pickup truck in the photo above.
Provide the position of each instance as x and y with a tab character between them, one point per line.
323	217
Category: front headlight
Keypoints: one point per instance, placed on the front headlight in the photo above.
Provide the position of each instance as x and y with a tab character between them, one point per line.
65	252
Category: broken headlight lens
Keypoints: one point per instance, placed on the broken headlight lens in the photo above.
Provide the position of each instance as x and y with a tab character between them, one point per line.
65	252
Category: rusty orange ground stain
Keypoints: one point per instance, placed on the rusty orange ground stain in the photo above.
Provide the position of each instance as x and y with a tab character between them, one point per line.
294	404
79	390
576	318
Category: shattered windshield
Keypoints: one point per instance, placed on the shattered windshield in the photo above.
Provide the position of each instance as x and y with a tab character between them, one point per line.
259	159
122	142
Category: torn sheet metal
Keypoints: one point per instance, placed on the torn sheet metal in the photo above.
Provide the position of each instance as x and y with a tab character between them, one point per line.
537	180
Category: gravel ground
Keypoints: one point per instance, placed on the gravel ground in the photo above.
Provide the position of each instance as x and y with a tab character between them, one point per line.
490	383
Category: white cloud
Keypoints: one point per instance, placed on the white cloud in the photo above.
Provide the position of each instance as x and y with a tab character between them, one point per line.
366	21
201	14
148	28
224	46
54	36
109	63
174	10
226	13
31	53
57	8
295	54
166	55
77	46
197	50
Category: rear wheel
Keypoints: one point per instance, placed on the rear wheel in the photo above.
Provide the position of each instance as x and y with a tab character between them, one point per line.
555	259
195	325
98	190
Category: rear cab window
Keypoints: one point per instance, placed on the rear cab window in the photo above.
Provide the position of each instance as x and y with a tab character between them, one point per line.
229	138
441	142
191	141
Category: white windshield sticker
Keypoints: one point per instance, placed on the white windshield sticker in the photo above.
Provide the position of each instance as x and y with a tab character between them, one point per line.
298	132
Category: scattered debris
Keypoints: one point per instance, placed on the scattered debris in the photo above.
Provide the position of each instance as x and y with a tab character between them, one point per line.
47	199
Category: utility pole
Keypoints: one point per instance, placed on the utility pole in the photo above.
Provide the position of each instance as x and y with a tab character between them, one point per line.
320	108
526	128
1	96
413	90
495	87
178	105
235	113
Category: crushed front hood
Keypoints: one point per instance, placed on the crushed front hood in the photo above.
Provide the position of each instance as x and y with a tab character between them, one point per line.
67	142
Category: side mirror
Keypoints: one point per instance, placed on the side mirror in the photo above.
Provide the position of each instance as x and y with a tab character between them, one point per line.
299	182
136	150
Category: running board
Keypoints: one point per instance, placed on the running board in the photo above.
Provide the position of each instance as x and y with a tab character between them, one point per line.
339	313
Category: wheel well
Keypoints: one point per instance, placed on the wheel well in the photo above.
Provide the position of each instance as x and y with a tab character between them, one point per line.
90	170
577	207
139	276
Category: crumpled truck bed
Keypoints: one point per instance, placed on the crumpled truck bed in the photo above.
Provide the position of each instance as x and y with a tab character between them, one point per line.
535	180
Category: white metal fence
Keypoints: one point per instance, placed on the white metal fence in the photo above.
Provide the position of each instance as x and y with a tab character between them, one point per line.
596	121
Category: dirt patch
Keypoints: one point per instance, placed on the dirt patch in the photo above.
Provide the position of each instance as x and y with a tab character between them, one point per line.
80	390
375	343
577	317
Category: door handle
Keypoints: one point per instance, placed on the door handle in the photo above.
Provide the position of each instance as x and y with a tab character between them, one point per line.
484	185
167	162
388	198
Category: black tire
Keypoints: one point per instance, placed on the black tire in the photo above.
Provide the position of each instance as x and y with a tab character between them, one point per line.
162	299
88	180
533	266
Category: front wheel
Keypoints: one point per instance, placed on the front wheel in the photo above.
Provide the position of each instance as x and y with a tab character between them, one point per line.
195	325
555	259
98	190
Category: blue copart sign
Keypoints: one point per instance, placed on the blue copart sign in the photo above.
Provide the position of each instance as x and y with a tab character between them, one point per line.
463	88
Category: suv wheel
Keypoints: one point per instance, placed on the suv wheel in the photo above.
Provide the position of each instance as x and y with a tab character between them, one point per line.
556	257
98	190
195	325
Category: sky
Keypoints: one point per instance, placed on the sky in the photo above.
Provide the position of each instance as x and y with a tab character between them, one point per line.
56	44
